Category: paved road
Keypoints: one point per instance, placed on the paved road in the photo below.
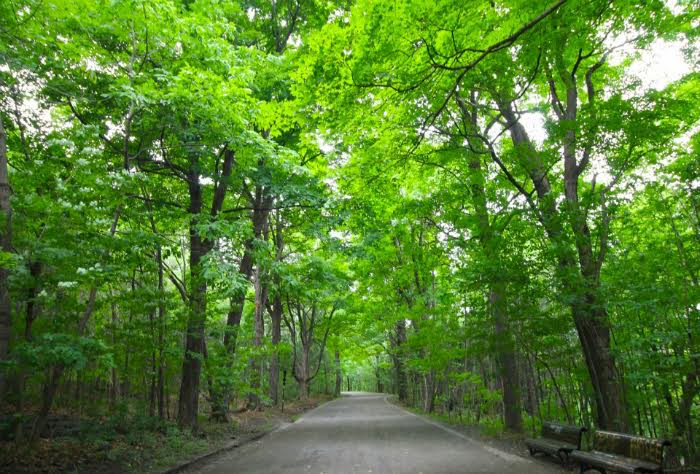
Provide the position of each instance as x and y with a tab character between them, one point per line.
363	433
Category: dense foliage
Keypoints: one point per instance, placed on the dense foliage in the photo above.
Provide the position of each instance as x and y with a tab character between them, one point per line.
482	207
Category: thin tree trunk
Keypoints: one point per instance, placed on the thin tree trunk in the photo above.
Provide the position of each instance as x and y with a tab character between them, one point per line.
5	246
276	318
304	374
154	370
256	360
429	392
114	392
32	311
236	304
338	374
161	314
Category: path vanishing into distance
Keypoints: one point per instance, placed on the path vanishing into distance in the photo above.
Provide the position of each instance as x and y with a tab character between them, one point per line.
364	433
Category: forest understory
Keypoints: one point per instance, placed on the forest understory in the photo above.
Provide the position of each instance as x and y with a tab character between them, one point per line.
130	442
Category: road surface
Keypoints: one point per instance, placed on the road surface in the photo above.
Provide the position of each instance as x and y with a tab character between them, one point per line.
364	433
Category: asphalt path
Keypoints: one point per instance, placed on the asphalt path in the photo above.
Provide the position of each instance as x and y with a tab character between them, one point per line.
364	433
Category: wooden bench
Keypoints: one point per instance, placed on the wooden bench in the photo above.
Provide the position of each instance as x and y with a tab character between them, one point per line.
557	439
621	452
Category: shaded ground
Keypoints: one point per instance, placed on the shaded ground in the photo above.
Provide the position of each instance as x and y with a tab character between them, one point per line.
364	433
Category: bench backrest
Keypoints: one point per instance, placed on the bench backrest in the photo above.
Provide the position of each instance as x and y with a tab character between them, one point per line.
636	447
567	433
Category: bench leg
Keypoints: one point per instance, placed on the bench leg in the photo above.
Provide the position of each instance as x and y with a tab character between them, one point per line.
532	451
564	458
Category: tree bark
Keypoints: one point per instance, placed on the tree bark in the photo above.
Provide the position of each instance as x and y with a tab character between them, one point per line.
338	374
188	402
304	378
261	209
429	392
256	363
276	318
237	302
505	354
5	246
276	315
399	369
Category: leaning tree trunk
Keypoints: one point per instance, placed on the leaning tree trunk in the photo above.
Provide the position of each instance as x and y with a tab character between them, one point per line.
261	209
5	246
579	281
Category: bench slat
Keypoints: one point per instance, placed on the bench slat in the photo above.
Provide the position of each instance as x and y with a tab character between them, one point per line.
568	433
557	439
613	461
636	447
622	452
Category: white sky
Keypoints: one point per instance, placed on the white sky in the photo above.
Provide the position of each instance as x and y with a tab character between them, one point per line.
657	67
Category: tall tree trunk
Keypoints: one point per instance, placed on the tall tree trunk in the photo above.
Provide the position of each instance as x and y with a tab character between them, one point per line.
154	366
276	313
256	365
498	306
429	392
114	387
261	209
237	303
338	374
400	370
5	246
188	403
159	389
505	354
276	318
377	375
304	374
32	312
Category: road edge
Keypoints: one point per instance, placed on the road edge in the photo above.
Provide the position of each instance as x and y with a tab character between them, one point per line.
496	452
204	458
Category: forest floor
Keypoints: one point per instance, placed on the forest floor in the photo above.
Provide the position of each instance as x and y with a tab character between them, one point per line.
149	448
